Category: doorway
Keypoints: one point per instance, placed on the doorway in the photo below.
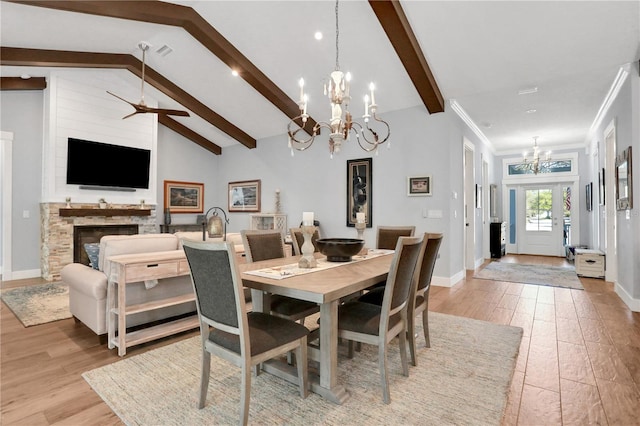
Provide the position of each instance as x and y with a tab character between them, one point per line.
469	206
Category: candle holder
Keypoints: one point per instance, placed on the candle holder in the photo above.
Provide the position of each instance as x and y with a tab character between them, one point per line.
360	227
307	260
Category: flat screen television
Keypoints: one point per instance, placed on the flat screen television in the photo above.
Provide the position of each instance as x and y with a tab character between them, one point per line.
96	164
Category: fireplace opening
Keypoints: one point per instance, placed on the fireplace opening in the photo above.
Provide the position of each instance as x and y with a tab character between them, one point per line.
92	234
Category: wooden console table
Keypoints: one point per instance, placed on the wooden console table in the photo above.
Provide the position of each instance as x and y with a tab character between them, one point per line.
131	268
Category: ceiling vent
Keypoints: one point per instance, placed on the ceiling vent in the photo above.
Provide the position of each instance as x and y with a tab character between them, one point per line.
164	50
528	91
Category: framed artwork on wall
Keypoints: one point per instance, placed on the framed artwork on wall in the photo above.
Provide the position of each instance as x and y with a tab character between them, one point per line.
244	196
601	188
589	196
183	197
418	186
478	196
624	187
359	192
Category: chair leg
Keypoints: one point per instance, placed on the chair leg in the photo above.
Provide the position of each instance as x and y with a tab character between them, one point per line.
411	334
403	353
425	325
245	392
384	379
350	350
204	378
303	373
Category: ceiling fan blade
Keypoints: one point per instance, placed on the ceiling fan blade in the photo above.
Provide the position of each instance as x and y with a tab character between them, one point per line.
122	99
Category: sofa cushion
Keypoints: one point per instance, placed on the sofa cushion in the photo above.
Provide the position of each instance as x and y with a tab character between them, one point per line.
93	253
113	245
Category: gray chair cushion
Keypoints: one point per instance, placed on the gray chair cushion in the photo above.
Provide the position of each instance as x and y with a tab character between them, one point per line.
266	332
289	306
362	317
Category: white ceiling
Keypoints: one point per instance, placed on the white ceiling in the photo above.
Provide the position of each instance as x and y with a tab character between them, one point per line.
481	53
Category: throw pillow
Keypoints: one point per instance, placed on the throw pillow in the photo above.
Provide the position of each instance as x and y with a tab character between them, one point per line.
93	252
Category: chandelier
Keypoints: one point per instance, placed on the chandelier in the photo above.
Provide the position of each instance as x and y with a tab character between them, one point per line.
341	123
533	163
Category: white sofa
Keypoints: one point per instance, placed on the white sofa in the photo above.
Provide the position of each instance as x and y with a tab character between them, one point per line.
88	286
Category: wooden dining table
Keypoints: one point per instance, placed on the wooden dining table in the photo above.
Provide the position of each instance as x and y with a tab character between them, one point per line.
325	287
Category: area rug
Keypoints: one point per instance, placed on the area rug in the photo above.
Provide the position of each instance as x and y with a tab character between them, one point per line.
463	379
530	274
38	304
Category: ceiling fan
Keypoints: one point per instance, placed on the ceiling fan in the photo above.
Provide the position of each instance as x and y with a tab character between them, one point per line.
141	107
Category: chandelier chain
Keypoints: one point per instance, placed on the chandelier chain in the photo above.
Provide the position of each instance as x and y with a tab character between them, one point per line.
337	37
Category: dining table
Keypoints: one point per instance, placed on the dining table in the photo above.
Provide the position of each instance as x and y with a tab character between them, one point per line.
327	285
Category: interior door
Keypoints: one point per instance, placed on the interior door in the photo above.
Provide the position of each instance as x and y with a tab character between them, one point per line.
542	220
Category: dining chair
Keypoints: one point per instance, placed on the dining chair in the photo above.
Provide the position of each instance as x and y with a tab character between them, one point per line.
269	244
297	239
228	331
387	236
379	324
419	304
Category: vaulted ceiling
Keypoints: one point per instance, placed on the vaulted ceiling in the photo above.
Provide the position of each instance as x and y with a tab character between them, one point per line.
418	53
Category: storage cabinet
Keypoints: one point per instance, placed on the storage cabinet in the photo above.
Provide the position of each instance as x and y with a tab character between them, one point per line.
589	263
268	221
497	239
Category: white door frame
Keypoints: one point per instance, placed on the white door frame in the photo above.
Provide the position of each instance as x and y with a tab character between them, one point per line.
610	213
486	210
6	141
555	246
469	205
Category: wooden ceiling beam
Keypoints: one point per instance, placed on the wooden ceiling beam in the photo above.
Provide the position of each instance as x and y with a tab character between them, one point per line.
396	25
158	12
183	130
19	83
12	56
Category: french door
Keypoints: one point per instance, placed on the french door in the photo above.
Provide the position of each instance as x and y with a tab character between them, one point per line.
544	213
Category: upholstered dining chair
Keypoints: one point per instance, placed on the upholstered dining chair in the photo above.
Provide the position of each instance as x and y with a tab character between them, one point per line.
298	239
379	324
264	245
419	304
230	332
387	236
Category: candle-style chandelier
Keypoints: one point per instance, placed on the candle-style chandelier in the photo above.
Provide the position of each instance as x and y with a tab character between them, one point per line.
534	163
341	123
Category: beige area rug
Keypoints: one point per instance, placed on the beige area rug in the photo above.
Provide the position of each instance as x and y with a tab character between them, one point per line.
38	304
531	274
463	379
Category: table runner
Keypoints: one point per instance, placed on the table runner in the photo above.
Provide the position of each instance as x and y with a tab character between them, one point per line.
292	269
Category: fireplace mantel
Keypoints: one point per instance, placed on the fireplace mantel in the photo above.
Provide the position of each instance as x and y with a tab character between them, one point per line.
71	212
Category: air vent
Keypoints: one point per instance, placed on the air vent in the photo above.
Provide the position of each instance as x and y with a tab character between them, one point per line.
164	50
528	91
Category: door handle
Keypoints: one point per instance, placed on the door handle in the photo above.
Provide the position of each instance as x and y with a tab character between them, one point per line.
466	224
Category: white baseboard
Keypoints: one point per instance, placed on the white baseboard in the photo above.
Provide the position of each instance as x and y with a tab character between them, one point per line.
479	263
22	275
448	281
633	304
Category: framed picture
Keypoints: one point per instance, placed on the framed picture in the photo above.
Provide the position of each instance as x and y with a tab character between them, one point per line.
478	196
418	186
244	196
359	190
588	191
183	197
601	187
624	178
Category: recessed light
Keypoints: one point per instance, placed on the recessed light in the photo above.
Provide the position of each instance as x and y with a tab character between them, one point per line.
234	73
318	35
531	111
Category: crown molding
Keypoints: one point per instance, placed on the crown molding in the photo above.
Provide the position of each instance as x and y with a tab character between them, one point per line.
471	124
611	96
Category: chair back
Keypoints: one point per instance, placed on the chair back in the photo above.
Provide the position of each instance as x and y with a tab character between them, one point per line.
262	245
432	245
215	277
400	278
298	239
387	236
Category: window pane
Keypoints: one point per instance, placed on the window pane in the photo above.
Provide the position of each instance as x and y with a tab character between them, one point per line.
539	203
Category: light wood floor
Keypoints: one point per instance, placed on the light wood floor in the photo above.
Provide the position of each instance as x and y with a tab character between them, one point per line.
579	361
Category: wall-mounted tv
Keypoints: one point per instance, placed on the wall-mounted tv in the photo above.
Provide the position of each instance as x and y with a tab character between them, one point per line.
105	166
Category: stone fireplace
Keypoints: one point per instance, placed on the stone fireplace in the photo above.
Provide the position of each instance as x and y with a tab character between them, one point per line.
57	245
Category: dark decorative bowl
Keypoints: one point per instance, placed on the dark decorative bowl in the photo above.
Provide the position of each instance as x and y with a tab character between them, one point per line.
339	249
